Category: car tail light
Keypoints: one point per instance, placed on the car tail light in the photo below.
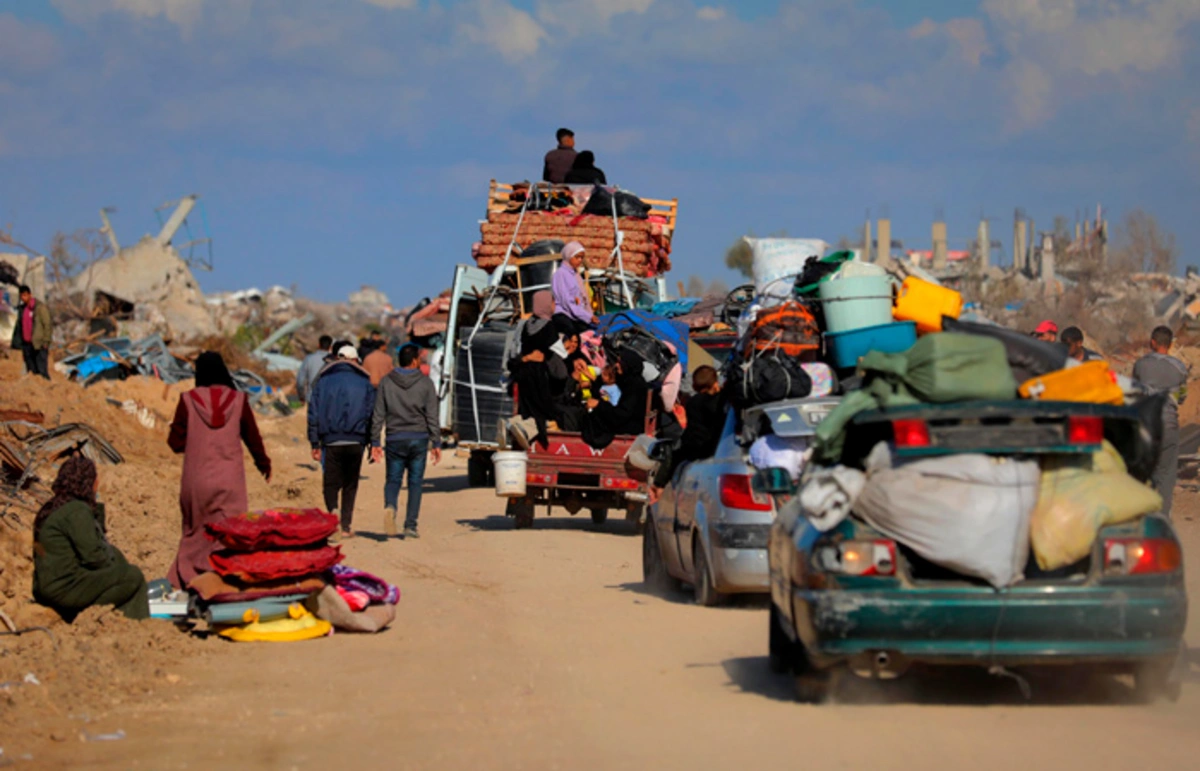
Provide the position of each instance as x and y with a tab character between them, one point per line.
910	433
539	479
1141	556
738	493
1085	429
858	558
618	483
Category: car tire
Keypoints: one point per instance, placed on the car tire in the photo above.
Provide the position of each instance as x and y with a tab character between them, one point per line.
781	650
521	510
654	569
702	586
1156	680
599	516
478	469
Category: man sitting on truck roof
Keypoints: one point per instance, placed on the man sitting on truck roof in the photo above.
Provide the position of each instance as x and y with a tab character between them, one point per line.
573	309
560	160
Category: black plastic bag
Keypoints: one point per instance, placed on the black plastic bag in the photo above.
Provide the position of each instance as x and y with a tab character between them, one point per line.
767	379
1027	356
543	247
646	346
8	274
628	205
1141	454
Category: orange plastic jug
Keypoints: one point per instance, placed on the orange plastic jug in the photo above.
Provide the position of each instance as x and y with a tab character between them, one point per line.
926	304
1091	381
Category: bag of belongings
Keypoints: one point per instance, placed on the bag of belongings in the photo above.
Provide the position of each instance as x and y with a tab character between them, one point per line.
258	566
790	329
947	367
766	379
1079	496
646	346
968	513
274	529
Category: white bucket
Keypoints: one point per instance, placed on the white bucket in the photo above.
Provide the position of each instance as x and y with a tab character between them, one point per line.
510	473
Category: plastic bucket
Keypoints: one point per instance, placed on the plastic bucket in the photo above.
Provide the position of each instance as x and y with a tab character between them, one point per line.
845	348
510	473
926	304
857	302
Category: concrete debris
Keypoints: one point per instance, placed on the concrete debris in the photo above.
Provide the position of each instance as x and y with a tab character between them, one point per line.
150	283
371	299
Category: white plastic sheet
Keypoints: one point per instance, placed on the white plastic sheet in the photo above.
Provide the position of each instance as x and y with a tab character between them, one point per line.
777	262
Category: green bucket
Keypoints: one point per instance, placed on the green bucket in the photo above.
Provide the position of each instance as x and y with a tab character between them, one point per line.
854	303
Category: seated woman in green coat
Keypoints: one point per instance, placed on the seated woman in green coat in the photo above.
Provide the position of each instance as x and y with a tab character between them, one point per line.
74	565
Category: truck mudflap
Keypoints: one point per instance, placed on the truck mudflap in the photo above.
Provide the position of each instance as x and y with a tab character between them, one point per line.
1049	624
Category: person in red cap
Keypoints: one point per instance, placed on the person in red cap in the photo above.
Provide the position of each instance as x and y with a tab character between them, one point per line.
1047	331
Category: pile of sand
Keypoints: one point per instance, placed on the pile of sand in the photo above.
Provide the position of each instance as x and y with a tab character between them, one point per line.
103	658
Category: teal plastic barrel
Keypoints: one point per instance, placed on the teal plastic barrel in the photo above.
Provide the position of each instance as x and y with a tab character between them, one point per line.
855	303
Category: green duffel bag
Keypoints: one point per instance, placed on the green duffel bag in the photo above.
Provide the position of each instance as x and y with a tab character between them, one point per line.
948	367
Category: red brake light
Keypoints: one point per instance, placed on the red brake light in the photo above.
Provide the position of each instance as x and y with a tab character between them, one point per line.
858	558
1141	556
1085	429
619	483
910	433
737	493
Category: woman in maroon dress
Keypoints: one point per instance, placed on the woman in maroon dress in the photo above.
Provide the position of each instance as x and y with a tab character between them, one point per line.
211	422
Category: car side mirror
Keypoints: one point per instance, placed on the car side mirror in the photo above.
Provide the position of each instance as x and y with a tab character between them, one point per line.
774	481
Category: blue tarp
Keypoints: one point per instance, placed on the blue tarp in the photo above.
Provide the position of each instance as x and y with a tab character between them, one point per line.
673	332
93	365
669	309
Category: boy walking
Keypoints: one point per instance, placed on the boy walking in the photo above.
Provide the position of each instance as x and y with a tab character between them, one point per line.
407	408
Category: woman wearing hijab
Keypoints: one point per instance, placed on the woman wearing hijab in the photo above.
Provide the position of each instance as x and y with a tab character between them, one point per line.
584	172
74	565
534	370
211	423
606	421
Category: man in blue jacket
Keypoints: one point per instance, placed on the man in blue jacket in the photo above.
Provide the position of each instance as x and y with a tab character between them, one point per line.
340	426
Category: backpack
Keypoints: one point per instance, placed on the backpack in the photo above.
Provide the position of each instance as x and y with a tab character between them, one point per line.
789	328
648	347
766	379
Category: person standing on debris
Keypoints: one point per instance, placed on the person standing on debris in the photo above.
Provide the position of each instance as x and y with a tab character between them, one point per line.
1162	372
211	423
560	160
1047	331
1072	337
74	565
378	363
33	332
311	367
406	407
340	425
573	309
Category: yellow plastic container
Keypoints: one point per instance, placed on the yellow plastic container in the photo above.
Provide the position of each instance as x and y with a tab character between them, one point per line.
926	304
1089	382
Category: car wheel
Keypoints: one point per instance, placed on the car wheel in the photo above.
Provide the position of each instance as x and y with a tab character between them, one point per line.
1156	680
781	650
705	593
477	469
654	569
521	510
599	516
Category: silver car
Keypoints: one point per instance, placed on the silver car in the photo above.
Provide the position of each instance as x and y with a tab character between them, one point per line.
710	526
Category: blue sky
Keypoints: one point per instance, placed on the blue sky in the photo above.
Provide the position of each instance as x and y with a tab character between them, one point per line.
342	142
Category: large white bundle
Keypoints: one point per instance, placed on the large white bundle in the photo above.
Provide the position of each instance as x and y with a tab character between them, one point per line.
968	513
777	262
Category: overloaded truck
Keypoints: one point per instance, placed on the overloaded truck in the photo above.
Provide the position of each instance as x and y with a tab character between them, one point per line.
525	227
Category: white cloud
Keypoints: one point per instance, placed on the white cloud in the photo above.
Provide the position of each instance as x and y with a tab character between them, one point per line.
392	5
182	13
1030	91
26	47
710	13
577	17
511	31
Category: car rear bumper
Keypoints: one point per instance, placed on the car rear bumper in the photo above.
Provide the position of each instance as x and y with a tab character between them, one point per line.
740	571
1045	625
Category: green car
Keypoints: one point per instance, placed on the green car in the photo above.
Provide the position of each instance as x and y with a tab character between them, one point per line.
855	598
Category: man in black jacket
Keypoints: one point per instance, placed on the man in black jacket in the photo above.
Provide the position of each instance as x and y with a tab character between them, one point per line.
407	409
560	160
340	415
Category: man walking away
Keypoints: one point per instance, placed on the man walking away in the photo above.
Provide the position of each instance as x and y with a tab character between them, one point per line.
311	367
1160	371
340	415
407	408
560	160
32	333
378	363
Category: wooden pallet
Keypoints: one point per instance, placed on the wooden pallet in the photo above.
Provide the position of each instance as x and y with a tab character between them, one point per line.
499	193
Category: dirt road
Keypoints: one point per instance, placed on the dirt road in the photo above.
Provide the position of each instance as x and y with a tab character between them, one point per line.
538	649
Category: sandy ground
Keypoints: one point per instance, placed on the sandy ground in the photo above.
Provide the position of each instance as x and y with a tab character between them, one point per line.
539	649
